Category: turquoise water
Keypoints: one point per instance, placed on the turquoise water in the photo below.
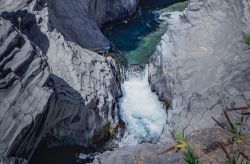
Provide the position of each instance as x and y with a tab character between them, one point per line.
137	37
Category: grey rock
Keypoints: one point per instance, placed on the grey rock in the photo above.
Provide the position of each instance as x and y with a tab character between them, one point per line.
203	144
13	160
86	87
51	87
202	64
12	5
23	92
29	26
143	153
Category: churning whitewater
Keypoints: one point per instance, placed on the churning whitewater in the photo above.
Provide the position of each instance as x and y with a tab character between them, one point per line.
141	110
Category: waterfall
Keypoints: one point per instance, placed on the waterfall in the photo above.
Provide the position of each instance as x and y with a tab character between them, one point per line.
142	112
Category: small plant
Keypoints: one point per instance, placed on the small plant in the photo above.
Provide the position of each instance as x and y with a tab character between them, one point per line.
190	158
232	158
111	130
181	144
247	40
235	127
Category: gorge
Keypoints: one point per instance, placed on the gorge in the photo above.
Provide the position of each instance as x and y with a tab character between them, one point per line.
182	65
140	125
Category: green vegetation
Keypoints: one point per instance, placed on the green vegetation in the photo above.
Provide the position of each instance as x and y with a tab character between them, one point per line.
112	129
232	158
190	158
181	144
235	127
247	40
167	104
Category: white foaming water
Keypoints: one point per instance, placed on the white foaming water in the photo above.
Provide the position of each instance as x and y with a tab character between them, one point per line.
142	112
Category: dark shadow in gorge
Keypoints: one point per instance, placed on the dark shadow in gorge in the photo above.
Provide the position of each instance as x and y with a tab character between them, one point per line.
65	122
69	127
56	155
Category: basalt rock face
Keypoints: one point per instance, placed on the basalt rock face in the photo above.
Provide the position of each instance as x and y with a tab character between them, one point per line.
202	64
79	21
86	88
23	93
51	87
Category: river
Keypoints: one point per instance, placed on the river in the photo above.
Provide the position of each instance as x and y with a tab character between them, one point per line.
136	39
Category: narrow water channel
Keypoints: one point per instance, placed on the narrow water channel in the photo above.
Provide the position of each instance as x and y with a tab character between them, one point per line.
136	39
